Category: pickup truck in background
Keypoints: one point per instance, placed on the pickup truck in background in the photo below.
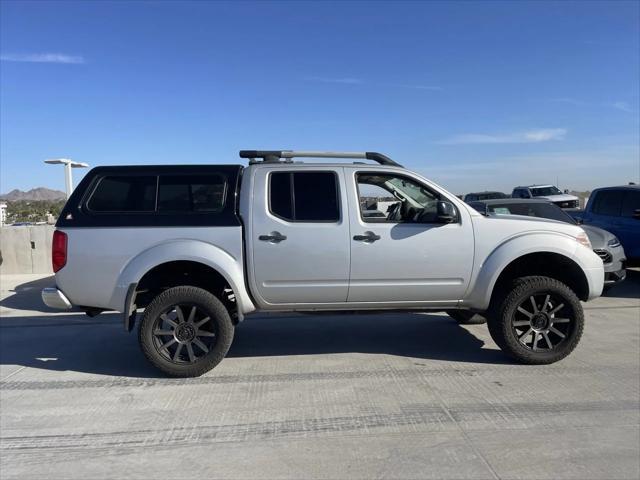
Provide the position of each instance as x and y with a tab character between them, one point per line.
547	192
617	210
197	248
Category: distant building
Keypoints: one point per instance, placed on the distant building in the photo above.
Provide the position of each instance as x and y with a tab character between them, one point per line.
3	214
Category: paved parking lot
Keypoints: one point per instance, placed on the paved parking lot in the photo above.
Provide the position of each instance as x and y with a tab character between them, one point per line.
358	396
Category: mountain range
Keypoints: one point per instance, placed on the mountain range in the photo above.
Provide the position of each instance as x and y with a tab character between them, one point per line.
35	194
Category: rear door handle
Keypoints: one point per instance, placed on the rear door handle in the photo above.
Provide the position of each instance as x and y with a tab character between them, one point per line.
273	237
368	237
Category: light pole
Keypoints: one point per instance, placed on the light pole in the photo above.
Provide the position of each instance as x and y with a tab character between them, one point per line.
68	165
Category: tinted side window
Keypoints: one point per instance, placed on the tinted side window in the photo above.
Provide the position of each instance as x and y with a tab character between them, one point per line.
280	195
316	197
304	196
124	194
630	203
608	202
191	193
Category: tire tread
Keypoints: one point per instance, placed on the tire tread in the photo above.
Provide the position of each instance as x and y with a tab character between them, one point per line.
500	326
224	330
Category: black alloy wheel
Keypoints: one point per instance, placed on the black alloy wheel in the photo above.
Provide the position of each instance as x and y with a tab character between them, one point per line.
185	331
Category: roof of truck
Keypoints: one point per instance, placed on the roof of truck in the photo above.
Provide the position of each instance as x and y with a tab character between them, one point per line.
535	186
164	168
484	191
618	187
495	201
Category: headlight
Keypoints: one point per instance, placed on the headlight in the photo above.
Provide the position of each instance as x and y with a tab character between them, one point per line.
613	243
583	239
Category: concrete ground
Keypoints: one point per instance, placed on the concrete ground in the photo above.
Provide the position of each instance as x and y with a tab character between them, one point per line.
391	396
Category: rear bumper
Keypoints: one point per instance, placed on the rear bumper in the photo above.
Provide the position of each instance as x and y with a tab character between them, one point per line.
54	298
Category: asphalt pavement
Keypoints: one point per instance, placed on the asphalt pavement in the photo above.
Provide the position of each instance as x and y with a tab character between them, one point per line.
302	396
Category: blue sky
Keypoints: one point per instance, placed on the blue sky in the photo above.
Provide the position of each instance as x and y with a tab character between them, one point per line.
475	95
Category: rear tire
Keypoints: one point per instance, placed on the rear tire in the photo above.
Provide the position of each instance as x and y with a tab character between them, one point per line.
185	331
540	321
466	317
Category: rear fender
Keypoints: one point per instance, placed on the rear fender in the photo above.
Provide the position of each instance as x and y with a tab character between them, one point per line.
224	263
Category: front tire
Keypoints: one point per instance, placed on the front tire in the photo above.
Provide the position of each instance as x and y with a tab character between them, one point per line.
185	331
540	321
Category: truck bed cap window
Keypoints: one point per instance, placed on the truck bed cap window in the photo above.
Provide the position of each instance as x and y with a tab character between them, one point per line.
134	193
155	196
191	193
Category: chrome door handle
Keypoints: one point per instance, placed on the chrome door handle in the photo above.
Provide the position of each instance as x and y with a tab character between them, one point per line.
273	237
368	237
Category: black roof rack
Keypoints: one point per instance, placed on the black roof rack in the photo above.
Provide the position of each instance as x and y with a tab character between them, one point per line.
280	155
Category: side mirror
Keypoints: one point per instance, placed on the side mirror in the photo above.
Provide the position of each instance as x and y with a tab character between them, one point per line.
446	212
636	214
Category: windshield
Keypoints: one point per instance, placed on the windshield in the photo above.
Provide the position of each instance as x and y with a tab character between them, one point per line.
541	210
412	190
544	191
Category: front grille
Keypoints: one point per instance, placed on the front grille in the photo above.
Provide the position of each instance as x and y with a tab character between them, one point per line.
604	255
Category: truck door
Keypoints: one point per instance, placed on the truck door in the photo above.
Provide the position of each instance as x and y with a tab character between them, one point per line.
299	247
629	223
399	254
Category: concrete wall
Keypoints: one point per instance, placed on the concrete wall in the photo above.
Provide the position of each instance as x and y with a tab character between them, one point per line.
26	249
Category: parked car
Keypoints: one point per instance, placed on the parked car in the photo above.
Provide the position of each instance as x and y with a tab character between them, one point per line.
472	197
200	247
617	210
605	244
547	192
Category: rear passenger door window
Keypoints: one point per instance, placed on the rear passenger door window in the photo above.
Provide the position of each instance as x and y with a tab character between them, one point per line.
191	193
631	203
304	196
124	194
608	202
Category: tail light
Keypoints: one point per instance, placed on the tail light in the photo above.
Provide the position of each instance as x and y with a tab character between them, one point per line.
59	250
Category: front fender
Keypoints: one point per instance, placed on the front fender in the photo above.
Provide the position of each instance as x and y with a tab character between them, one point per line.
224	263
488	270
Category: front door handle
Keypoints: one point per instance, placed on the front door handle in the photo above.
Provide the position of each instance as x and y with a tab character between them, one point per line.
368	237
273	237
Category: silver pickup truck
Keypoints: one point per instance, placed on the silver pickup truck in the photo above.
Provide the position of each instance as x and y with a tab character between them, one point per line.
199	247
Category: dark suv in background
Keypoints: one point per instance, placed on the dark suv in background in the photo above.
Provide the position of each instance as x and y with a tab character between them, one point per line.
617	210
473	197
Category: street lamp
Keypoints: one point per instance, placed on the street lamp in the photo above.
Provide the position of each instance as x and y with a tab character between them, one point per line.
68	165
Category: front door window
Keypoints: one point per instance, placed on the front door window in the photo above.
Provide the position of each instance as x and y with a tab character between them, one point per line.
387	198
